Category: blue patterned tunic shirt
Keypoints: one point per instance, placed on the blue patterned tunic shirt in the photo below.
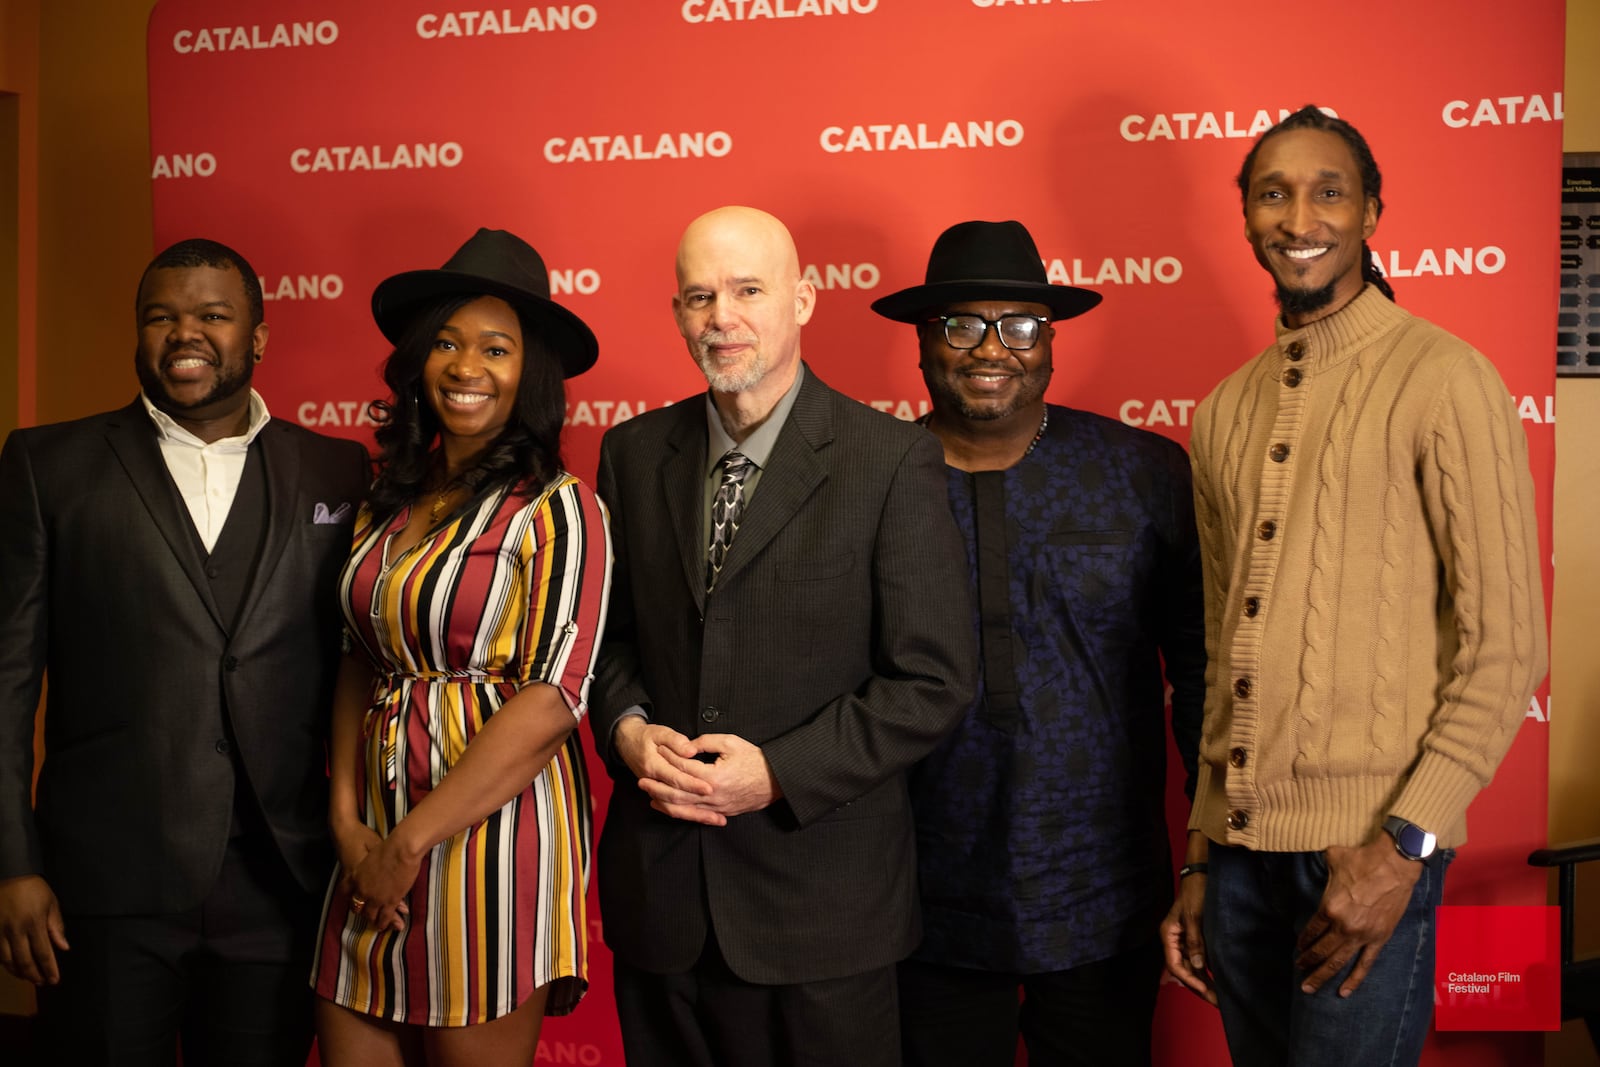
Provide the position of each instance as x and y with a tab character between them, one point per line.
1041	828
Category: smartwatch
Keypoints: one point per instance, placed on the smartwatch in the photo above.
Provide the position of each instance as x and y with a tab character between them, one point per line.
1410	840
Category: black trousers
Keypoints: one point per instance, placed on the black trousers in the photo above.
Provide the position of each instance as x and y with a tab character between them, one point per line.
229	978
1096	1015
710	1017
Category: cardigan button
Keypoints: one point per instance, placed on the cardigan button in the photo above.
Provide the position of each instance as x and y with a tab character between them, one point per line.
1291	377
1296	349
1252	606
1237	758
1241	688
1279	452
1238	819
1266	530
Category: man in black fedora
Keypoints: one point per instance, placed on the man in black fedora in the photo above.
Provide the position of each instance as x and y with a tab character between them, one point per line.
1042	844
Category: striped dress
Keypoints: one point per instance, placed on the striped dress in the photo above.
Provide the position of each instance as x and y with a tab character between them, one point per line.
510	592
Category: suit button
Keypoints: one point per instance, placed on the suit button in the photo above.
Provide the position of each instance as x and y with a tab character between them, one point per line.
1252	606
230	663
1241	688
1237	758
1266	529
1278	452
212	572
710	714
1296	349
1291	377
1238	820
223	748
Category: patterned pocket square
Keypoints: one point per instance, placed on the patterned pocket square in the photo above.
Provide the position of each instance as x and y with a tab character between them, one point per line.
322	516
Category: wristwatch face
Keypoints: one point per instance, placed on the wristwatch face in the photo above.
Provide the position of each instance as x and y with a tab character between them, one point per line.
1413	841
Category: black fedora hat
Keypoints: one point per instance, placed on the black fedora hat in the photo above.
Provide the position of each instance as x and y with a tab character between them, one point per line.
984	261
491	263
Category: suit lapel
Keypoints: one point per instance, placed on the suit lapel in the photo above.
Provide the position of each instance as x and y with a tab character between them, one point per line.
279	455
133	439
793	473
682	483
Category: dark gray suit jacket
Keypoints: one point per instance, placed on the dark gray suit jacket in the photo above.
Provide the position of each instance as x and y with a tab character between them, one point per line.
103	585
839	639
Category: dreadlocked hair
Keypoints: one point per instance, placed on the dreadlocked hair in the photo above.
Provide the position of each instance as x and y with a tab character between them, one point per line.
1312	117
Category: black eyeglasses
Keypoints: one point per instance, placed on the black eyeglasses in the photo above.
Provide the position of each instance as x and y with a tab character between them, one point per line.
1017	332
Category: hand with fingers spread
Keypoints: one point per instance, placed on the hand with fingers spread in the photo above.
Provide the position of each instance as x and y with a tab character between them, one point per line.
1368	890
31	930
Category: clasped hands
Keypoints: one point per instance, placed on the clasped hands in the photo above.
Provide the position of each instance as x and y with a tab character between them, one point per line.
378	874
681	784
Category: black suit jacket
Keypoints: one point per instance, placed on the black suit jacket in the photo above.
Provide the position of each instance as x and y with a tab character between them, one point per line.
102	585
839	639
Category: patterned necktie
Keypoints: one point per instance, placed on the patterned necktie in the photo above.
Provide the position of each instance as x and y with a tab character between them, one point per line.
727	508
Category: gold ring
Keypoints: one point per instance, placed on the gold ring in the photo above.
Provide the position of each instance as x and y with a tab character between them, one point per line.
358	902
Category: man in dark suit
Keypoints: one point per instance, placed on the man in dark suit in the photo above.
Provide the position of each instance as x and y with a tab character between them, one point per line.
790	630
171	567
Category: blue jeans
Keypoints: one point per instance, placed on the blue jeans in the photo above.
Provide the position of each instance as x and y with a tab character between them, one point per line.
1256	905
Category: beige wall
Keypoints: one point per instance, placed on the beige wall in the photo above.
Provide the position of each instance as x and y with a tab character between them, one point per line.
1575	610
72	73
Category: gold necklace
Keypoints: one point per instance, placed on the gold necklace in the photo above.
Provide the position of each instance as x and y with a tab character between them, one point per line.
439	502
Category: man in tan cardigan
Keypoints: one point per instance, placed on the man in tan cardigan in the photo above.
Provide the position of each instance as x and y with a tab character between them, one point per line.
1374	625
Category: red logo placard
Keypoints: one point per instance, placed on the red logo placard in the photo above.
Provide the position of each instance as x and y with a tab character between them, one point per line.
1498	968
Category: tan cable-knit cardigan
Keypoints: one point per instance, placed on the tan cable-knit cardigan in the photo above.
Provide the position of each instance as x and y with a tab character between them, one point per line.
1374	614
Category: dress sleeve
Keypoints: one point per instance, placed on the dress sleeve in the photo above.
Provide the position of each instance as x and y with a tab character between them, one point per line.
567	571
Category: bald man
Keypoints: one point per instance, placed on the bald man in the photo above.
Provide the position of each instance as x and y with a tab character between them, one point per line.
790	630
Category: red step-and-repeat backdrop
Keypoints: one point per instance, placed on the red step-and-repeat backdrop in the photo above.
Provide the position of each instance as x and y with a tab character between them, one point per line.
335	142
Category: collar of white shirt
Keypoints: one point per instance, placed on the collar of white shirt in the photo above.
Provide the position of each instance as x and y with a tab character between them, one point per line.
171	432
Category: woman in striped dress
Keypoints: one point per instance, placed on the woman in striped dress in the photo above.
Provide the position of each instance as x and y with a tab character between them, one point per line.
474	598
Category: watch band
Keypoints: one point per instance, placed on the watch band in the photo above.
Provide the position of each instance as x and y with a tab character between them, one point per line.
1410	840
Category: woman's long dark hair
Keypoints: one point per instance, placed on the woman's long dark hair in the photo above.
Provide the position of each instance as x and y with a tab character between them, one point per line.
528	449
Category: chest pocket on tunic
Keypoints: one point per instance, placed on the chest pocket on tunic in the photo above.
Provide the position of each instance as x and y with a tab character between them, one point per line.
1093	570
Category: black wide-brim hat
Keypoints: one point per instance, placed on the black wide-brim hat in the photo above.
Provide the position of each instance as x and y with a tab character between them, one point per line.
984	261
491	263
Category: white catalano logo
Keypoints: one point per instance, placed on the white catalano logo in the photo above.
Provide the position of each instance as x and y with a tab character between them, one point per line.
1540	409
375	157
610	148
1199	125
904	410
841	275
602	412
745	10
489	23
895	137
184	165
585	281
1156	412
1503	111
333	413
302	287
234	38
1131	270
1490	259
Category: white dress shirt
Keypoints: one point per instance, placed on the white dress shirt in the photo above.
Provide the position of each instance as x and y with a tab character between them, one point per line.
207	475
